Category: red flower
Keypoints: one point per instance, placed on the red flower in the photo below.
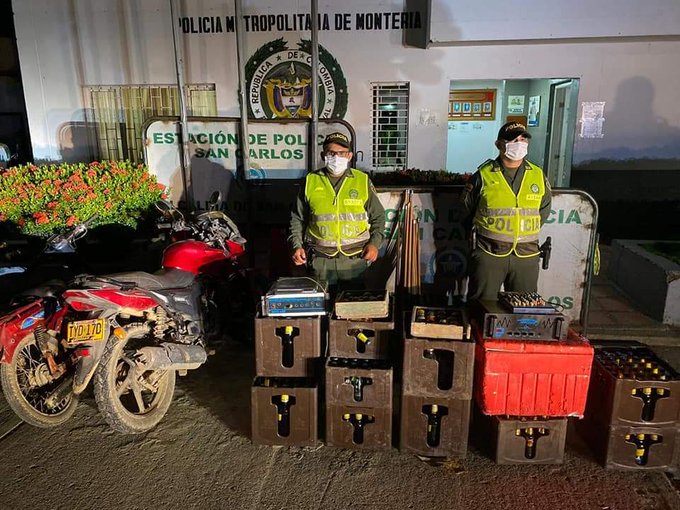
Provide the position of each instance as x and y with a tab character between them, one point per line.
108	205
52	205
41	218
70	220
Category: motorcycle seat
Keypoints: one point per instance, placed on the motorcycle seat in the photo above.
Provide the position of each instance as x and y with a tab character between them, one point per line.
163	279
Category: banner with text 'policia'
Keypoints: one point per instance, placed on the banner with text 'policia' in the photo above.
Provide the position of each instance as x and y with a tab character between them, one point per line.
277	150
445	251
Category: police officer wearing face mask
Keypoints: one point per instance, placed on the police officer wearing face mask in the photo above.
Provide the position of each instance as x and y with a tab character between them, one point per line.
508	200
337	221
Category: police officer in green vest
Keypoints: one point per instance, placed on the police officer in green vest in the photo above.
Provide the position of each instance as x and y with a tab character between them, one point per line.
508	200
337	223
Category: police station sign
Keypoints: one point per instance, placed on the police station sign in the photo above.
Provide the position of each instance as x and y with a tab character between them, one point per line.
277	150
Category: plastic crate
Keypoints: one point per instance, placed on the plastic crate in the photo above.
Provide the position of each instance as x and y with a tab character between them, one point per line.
621	447
513	440
358	382
632	399
532	378
359	427
436	367
434	432
287	347
291	420
366	339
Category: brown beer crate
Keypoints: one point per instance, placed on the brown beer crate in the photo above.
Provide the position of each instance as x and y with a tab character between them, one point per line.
523	440
358	382
623	395
368	339
287	347
284	411
359	427
432	322
632	447
438	368
434	427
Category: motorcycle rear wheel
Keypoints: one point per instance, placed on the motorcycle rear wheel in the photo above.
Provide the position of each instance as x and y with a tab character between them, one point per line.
127	404
27	400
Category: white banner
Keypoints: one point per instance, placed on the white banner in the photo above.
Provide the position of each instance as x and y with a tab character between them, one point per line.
277	150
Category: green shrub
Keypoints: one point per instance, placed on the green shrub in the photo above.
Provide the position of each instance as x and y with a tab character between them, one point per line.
43	199
414	176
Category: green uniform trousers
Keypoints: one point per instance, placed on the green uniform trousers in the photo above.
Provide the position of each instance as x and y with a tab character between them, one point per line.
347	270
487	273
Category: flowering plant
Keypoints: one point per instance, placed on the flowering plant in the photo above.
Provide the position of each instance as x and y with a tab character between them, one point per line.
45	198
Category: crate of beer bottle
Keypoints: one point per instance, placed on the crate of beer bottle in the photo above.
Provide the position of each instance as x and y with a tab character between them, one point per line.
436	367
633	386
434	426
368	339
358	382
532	377
521	440
632	447
287	346
359	427
284	411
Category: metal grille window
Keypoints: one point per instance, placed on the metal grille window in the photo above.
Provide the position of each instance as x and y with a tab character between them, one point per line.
390	125
119	112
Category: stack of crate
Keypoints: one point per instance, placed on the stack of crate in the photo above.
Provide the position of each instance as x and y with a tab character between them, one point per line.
524	390
359	383
436	383
284	395
631	419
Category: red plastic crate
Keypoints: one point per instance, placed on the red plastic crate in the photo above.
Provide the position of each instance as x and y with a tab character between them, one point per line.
532	377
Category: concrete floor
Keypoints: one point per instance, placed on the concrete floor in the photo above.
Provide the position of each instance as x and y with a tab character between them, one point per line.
200	456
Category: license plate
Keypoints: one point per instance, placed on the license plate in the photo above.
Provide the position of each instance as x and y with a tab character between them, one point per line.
85	331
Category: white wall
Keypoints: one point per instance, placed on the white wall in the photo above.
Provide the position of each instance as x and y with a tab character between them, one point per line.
65	44
512	20
470	143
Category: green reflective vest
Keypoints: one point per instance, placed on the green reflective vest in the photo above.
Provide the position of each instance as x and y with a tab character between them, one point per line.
338	223
503	216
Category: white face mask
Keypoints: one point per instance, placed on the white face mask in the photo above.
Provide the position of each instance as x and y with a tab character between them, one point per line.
336	165
516	151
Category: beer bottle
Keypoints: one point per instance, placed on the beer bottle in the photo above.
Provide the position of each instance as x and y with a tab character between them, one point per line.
649	397
358	383
434	420
283	404
531	436
287	333
362	338
358	421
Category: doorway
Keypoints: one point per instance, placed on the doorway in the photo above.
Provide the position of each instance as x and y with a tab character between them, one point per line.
547	106
560	134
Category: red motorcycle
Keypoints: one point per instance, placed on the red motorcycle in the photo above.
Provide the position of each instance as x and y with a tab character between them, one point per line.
37	363
143	328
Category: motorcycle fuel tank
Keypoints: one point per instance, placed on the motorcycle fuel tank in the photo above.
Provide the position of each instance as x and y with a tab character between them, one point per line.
191	256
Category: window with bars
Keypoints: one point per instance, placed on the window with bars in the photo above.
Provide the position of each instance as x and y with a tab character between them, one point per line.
119	113
390	125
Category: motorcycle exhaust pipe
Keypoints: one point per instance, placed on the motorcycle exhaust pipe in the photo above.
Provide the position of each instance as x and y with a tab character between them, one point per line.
172	357
59	393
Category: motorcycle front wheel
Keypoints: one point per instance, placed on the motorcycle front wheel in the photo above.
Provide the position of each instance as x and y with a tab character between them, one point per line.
27	387
131	402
